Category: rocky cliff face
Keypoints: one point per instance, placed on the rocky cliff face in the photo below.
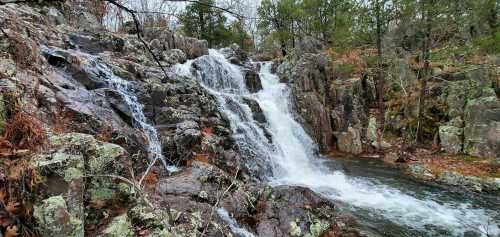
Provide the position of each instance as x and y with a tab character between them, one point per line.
56	63
461	108
310	81
334	111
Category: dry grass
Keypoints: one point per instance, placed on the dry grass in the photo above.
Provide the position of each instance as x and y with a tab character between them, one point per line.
465	165
105	134
25	51
23	131
17	190
62	122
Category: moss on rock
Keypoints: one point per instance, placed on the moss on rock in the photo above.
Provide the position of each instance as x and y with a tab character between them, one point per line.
54	219
120	226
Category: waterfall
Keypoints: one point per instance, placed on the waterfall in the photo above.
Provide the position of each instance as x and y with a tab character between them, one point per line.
293	159
139	120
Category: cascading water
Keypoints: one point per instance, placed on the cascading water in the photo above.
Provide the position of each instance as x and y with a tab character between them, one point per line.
292	157
136	108
232	224
94	65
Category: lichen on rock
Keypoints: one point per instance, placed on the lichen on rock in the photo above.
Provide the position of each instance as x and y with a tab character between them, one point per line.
55	220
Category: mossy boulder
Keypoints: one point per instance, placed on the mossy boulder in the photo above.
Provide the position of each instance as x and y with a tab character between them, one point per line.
120	226
55	220
7	67
451	139
101	157
482	127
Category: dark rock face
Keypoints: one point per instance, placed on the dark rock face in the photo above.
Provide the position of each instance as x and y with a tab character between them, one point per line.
334	112
310	81
252	81
257	112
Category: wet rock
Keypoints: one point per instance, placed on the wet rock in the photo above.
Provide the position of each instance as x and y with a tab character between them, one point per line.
88	75
252	81
420	171
451	139
187	136
95	43
257	112
350	141
118	103
310	215
235	54
482	127
174	56
54	219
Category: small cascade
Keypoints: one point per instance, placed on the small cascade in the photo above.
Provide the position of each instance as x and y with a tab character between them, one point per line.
293	160
136	108
233	225
226	82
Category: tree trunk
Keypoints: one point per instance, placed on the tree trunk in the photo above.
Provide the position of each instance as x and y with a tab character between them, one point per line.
283	48
426	17
380	78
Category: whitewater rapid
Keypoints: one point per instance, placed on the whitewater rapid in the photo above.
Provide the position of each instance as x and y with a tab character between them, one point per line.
293	158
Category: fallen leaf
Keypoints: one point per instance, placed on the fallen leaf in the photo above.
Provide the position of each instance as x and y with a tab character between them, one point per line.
11	231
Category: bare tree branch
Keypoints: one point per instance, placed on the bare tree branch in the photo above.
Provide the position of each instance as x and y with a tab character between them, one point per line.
138	33
237	15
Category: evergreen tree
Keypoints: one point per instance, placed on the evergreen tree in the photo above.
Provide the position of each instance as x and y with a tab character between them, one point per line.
202	21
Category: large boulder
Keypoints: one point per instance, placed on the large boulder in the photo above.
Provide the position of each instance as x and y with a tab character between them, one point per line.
482	127
235	54
309	215
465	86
174	56
194	47
349	141
451	139
252	81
